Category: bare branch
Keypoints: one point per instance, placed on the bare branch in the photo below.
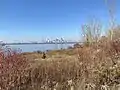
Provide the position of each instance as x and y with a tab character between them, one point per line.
111	9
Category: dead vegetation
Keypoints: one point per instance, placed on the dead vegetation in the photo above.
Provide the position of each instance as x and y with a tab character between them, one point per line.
97	67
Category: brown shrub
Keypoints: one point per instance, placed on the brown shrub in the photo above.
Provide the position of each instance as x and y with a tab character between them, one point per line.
12	66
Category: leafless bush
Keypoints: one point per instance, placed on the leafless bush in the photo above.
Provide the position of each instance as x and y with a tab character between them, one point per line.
92	31
12	66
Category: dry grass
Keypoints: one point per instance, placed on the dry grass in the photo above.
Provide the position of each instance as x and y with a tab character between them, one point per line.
90	67
96	67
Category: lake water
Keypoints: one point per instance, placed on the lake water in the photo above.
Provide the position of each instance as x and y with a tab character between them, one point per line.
40	47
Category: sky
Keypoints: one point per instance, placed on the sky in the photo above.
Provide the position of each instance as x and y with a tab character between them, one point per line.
36	20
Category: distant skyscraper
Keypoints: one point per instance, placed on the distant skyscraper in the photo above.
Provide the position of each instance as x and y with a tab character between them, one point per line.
47	40
62	40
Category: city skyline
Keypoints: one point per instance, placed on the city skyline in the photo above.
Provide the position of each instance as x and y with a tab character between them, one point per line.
46	40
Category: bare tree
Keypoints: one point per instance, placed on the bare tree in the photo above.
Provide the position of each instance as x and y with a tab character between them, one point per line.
111	9
92	31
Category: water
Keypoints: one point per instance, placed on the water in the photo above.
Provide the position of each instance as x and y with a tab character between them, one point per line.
39	47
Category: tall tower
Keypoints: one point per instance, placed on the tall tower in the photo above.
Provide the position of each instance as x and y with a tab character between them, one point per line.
62	43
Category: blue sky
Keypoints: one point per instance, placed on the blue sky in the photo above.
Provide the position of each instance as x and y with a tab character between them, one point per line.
35	20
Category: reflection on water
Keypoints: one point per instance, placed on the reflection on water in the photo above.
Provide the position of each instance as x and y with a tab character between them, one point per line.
41	47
